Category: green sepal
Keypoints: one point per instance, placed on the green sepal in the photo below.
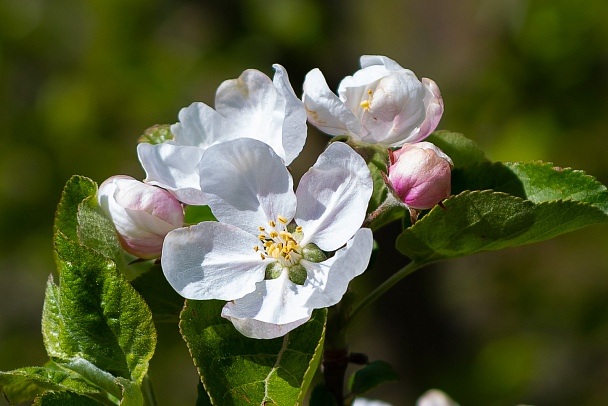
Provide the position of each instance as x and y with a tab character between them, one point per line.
24	384
157	134
370	376
237	370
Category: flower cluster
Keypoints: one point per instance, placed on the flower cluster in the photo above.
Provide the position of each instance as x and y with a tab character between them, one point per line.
275	254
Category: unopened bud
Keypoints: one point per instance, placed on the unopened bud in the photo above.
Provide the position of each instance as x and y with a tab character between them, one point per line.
142	214
420	174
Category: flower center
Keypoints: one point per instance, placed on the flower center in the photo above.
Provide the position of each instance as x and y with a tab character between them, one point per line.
281	246
366	104
279	243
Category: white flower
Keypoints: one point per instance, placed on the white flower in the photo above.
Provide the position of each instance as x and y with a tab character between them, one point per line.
369	402
382	103
142	214
252	106
273	270
435	397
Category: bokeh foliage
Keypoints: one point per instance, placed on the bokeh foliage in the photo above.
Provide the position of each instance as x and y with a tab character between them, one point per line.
81	80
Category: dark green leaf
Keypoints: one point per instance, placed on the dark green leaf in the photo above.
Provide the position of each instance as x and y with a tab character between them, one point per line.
24	384
237	370
321	396
370	376
463	151
65	399
163	300
203	398
156	134
95	315
486	220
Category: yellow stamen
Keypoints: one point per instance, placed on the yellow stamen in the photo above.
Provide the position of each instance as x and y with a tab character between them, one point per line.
272	224
256	248
282	219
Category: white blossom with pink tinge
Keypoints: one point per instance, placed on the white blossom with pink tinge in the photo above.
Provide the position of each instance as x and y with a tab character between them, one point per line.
142	214
265	255
251	106
382	103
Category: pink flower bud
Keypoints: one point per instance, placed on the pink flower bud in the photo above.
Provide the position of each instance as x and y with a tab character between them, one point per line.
420	174
142	214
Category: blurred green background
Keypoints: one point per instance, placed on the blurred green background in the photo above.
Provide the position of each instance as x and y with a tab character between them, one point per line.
81	79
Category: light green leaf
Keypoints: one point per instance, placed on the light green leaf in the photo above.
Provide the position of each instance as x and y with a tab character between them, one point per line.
77	189
96	231
24	384
486	220
370	376
64	399
156	134
237	370
96	315
463	151
196	214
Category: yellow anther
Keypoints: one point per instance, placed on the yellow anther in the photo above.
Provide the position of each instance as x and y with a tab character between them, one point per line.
262	237
287	257
268	244
282	219
261	228
262	256
365	104
272	224
369	92
274	234
298	229
256	248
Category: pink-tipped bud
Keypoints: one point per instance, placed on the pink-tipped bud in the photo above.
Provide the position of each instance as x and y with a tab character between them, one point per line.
142	214
420	174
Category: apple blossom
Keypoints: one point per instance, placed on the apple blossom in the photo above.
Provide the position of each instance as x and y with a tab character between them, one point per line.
420	175
435	397
251	106
267	253
382	103
142	214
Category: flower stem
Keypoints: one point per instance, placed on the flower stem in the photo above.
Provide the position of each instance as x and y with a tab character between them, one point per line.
380	290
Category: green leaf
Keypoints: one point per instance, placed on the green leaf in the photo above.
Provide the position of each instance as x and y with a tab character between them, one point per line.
96	315
370	376
463	151
486	220
96	231
157	134
64	399
80	218
196	214
164	302
203	397
237	370
24	384
77	189
321	396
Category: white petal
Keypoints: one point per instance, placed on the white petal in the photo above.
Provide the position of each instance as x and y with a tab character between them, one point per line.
435	397
173	167
212	261
254	108
325	110
294	123
333	197
274	302
199	125
396	111
388	63
369	402
258	329
329	279
246	184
